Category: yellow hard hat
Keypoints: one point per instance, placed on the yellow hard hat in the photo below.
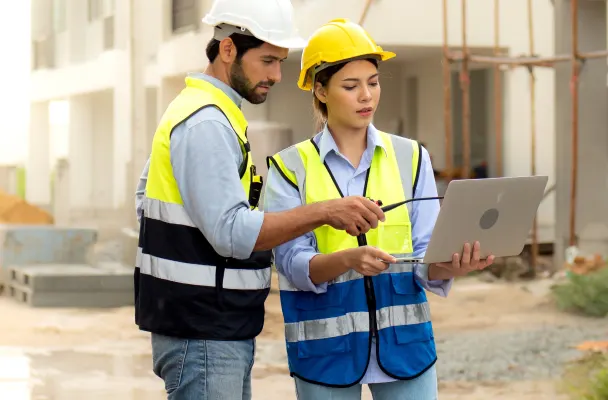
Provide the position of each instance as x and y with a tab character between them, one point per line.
336	41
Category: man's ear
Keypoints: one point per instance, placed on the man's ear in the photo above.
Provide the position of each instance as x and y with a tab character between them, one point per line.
321	92
227	50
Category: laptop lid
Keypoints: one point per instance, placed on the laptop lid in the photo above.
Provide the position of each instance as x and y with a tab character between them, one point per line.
497	212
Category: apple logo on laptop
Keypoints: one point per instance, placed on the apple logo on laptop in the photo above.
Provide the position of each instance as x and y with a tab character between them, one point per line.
488	219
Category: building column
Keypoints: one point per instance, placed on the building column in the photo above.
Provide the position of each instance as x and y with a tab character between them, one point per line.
38	165
592	191
103	147
80	153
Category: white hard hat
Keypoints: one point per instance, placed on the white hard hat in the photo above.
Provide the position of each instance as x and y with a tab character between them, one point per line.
268	20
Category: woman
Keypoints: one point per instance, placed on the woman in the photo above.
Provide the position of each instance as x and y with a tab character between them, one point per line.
329	280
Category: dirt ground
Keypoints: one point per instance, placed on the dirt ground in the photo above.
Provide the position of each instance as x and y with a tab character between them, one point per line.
87	335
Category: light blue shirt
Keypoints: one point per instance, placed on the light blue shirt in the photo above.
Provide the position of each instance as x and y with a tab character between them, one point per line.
293	258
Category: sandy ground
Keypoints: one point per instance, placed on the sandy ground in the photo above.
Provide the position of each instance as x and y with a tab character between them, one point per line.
104	347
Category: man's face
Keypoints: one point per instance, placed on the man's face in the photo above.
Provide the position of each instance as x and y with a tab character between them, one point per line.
257	71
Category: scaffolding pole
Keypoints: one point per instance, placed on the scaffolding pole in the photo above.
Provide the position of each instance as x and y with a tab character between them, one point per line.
574	134
497	92
447	93
534	247
466	106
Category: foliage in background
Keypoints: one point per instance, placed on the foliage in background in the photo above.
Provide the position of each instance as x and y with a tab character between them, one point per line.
586	294
21	182
587	379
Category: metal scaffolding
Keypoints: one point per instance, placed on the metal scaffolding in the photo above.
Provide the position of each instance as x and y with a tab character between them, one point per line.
464	57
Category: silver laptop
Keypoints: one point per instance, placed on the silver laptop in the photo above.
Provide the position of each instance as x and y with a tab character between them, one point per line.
497	212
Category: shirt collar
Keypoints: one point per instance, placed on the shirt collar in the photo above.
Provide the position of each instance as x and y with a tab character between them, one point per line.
230	92
327	143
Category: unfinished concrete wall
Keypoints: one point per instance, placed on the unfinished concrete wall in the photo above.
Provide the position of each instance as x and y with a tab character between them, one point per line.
592	208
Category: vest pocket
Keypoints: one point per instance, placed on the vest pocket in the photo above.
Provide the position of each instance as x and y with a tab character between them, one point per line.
413	333
408	317
405	283
393	236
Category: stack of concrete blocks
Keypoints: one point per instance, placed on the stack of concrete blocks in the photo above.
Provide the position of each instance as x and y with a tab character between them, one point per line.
48	266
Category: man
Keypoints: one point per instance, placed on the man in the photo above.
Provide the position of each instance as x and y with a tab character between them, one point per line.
203	266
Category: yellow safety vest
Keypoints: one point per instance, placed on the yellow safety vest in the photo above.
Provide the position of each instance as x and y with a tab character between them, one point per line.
183	287
161	184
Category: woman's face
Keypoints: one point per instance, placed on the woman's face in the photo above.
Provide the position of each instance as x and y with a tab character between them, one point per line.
352	95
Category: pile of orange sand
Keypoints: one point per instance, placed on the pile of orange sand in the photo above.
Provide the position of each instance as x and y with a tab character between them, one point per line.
14	210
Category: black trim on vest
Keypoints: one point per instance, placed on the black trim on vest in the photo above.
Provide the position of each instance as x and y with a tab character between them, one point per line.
188	245
415	185
198	312
276	165
191	311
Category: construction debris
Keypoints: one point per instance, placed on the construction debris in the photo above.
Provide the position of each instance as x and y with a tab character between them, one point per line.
586	265
15	210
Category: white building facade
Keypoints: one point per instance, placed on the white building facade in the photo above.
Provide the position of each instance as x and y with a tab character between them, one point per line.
119	63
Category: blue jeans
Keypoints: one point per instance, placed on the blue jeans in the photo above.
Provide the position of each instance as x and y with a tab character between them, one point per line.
204	369
422	388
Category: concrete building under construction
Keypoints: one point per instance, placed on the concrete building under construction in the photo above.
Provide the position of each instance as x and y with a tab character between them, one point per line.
119	63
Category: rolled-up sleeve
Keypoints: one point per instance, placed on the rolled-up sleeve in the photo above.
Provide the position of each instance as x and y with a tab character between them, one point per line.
205	156
424	215
292	259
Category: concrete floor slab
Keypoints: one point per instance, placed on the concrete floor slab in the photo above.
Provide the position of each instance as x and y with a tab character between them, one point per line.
89	299
72	278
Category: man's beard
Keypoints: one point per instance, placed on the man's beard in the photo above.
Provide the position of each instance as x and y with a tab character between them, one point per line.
244	87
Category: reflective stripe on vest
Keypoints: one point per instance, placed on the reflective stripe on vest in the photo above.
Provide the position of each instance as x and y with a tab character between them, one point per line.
190	274
354	322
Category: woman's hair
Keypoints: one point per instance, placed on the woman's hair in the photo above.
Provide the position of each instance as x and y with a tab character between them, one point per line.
323	78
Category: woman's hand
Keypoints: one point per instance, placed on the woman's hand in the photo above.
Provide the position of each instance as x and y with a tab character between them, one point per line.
459	267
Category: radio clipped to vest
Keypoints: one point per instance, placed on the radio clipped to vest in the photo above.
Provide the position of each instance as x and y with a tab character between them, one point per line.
255	188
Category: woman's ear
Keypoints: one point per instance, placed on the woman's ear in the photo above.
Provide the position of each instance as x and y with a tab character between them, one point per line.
321	92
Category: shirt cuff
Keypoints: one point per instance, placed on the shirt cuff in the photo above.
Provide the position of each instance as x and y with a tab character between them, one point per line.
300	273
439	287
246	235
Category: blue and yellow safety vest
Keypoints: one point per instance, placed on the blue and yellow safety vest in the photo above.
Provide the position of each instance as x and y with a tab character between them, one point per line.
183	287
329	335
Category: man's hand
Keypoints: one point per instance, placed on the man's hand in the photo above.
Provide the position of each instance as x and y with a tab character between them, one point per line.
367	260
354	214
460	267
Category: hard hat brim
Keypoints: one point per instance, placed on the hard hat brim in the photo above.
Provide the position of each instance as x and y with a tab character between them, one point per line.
292	43
305	81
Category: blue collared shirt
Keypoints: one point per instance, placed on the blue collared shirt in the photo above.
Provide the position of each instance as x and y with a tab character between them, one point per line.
293	258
